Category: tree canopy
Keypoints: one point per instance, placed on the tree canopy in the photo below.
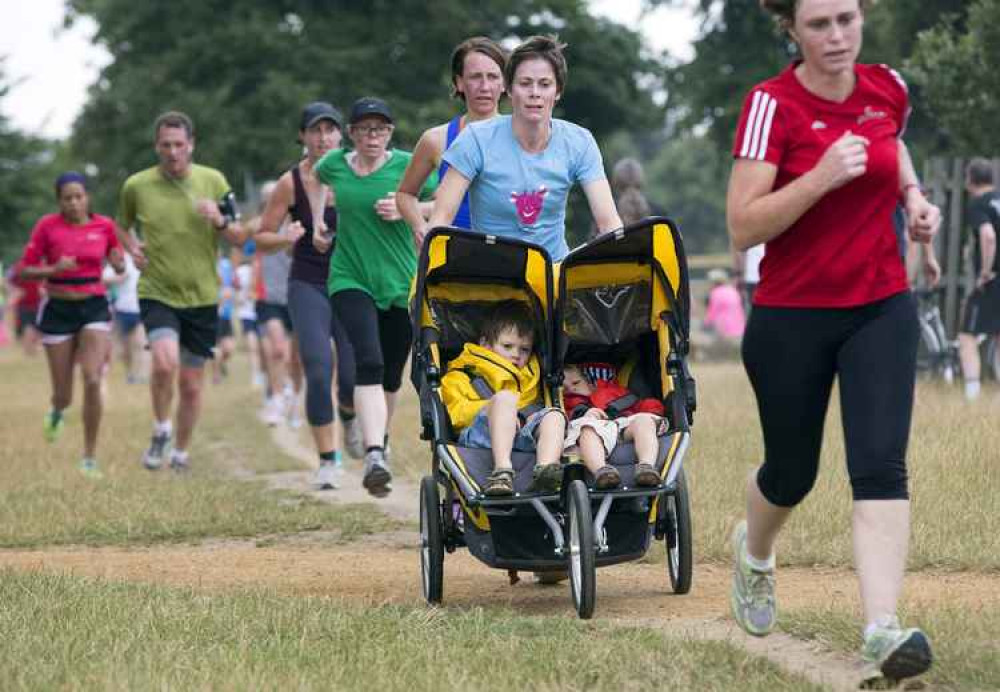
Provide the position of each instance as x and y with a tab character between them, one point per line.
243	76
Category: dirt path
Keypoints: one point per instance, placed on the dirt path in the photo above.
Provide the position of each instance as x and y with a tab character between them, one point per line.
385	569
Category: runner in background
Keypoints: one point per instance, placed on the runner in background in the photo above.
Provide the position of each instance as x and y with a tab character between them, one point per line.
129	331
26	297
68	250
181	211
246	312
225	342
477	67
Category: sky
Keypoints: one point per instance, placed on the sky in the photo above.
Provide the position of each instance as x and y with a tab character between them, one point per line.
53	67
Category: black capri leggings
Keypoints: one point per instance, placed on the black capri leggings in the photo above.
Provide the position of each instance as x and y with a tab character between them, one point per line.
381	338
792	355
314	324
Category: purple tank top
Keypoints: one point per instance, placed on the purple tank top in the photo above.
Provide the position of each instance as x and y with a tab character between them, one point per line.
307	264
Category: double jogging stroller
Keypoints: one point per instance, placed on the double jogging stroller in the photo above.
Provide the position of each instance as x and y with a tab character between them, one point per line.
622	300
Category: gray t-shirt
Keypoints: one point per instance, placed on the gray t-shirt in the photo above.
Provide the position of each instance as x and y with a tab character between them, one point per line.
274	270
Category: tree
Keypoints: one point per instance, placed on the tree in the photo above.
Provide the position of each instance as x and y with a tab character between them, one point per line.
28	167
243	76
959	72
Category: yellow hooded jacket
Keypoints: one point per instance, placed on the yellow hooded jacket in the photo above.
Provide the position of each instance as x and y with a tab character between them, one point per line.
462	399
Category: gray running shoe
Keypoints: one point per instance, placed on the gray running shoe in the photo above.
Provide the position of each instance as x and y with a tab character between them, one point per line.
153	457
753	600
328	475
892	654
377	477
353	444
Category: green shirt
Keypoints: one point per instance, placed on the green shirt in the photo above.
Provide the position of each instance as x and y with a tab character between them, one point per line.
372	255
180	246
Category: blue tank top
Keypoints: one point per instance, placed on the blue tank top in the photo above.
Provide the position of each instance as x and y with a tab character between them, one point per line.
462	218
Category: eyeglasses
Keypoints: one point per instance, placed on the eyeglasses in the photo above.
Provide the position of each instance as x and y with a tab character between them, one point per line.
376	130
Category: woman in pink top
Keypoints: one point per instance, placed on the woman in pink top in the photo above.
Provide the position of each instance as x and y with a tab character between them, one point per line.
725	307
68	250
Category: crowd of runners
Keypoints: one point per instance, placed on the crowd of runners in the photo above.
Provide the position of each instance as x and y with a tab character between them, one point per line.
318	279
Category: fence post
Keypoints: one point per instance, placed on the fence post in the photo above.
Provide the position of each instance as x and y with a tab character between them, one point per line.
954	249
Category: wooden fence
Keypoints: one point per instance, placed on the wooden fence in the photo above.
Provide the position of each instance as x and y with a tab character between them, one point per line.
944	179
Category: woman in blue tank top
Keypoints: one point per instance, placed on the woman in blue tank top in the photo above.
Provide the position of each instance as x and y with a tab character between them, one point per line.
477	66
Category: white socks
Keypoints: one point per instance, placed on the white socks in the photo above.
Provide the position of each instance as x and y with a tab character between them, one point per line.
163	427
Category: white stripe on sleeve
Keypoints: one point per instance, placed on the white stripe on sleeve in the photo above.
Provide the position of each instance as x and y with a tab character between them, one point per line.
748	131
766	130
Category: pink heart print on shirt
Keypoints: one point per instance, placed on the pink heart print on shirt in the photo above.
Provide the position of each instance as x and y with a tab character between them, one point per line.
529	205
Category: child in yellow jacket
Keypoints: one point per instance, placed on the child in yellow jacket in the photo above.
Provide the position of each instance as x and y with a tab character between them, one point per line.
492	391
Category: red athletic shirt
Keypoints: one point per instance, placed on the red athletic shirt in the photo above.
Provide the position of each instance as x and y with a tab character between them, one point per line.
53	237
843	251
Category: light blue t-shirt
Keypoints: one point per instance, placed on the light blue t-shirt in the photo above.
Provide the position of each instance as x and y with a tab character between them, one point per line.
520	195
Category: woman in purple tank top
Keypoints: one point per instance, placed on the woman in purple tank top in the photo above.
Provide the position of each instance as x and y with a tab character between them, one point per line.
313	320
477	66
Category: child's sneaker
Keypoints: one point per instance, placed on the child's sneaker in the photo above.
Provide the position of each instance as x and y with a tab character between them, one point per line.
52	425
893	654
753	600
646	476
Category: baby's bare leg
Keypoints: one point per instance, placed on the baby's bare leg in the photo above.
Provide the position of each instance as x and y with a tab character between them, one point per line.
592	450
551	433
642	431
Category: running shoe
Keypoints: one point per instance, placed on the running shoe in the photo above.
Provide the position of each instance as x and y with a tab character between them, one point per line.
328	475
753	596
892	654
353	444
273	411
377	477
180	464
153	457
53	425
88	467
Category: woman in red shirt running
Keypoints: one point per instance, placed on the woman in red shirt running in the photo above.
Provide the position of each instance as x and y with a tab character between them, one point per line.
819	168
68	251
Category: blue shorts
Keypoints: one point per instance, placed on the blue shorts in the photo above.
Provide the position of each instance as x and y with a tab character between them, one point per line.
478	434
127	321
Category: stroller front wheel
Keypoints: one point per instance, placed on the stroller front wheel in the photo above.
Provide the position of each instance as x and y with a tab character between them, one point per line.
431	540
677	538
582	553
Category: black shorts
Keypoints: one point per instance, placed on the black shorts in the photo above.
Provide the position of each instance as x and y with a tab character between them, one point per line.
272	311
60	317
982	310
224	329
195	327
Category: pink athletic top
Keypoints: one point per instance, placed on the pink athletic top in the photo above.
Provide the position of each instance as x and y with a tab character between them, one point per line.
90	244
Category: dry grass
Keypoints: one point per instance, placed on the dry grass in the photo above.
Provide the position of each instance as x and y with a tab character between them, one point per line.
44	500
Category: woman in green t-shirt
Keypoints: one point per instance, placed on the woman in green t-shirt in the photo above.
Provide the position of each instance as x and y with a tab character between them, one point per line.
370	274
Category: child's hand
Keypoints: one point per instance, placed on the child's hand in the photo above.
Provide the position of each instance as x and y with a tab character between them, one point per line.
596	413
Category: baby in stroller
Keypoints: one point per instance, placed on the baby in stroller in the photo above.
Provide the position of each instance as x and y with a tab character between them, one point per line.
492	392
600	412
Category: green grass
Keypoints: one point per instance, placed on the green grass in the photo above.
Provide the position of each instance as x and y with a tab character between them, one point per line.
952	459
44	500
965	643
78	634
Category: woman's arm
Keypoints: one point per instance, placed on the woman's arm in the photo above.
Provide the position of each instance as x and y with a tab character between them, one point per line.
923	218
426	157
448	199
602	205
757	213
267	234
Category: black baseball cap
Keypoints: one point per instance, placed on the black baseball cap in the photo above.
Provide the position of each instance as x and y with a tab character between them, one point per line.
369	106
320	110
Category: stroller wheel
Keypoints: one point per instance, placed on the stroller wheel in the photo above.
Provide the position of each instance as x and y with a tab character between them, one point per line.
677	538
431	541
582	565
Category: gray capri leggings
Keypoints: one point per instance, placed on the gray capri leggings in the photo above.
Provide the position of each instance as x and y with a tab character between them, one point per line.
314	323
